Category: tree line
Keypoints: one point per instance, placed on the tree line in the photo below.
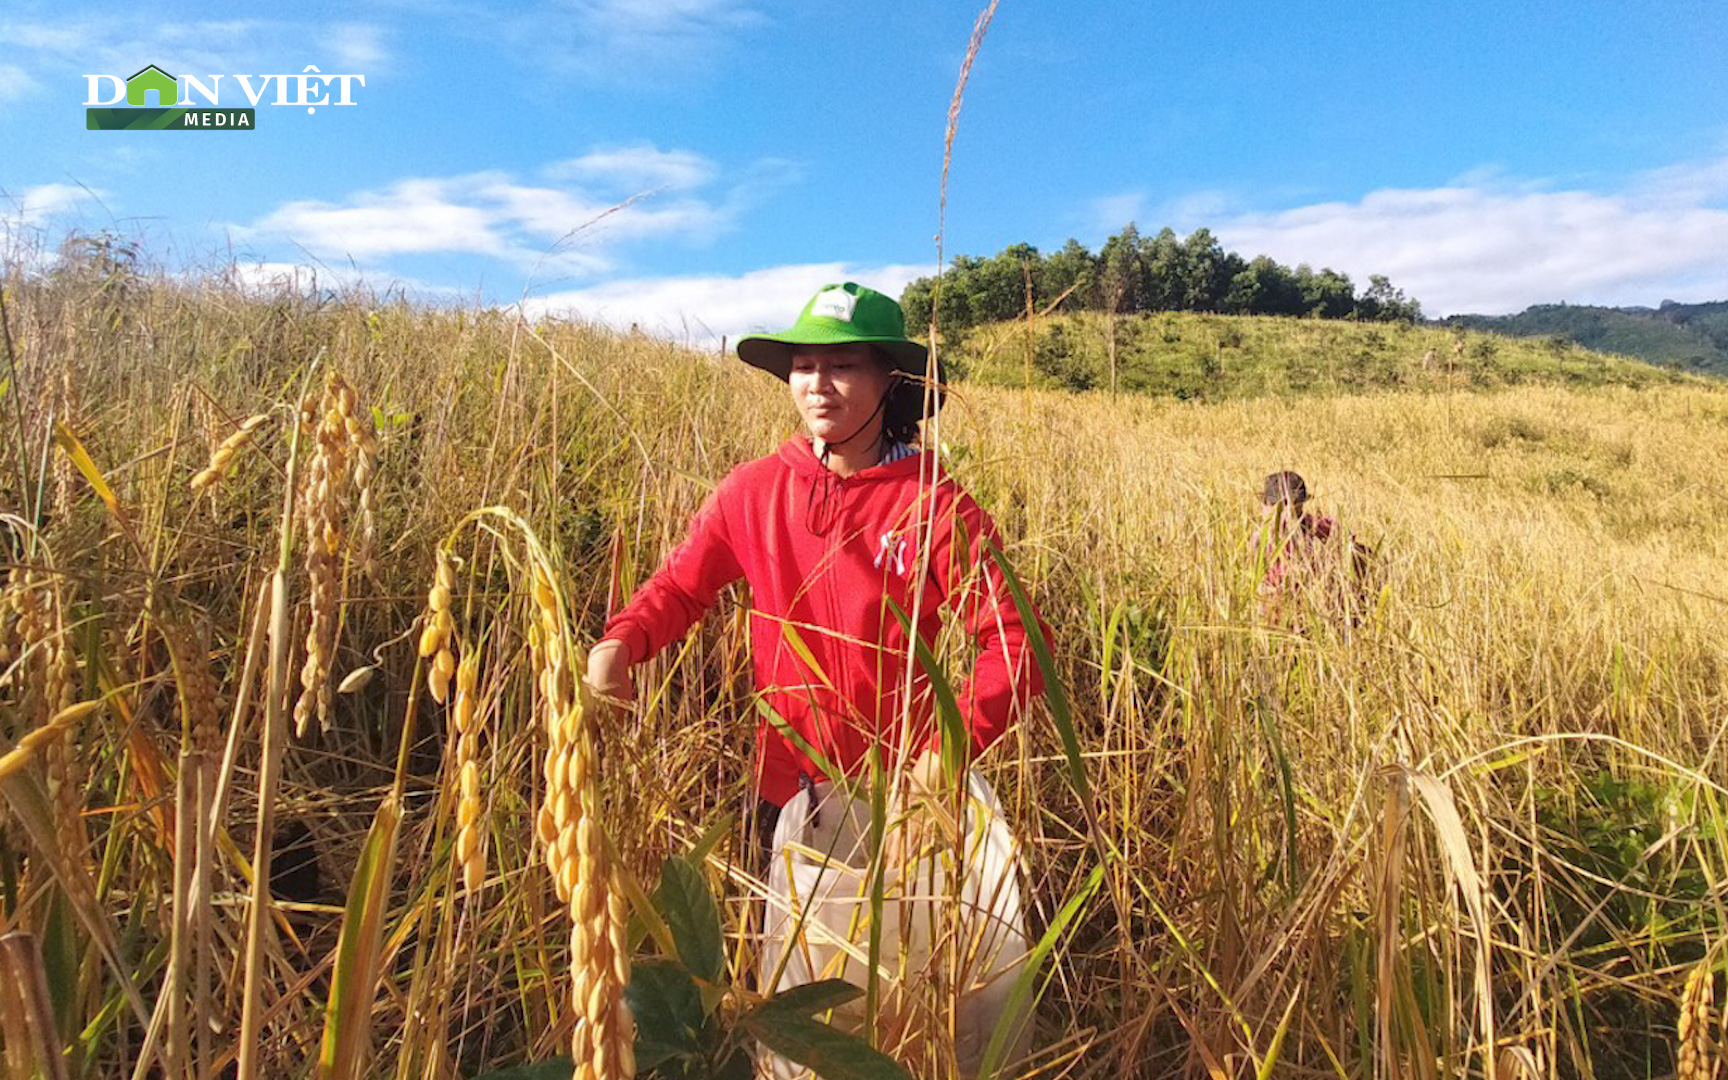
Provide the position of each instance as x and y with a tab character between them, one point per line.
1131	273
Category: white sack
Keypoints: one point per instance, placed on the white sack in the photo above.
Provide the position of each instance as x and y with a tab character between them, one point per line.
818	912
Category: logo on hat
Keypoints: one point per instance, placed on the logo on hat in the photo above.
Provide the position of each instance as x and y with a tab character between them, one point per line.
835	303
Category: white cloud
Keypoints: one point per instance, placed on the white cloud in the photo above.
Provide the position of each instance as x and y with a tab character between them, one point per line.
35	220
270	277
118	44
543	229
15	83
699	310
1106	214
37	206
630	42
638	167
1487	245
274	277
408	216
355	48
65	38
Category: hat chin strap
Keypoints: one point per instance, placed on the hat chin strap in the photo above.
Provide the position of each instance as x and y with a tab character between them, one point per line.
818	517
830	444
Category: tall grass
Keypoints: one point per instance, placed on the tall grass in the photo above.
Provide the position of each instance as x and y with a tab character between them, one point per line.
1479	833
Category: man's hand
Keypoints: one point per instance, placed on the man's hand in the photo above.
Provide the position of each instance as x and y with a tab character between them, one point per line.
608	674
923	820
925	775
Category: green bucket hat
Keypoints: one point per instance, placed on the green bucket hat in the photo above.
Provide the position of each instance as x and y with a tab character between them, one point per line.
842	315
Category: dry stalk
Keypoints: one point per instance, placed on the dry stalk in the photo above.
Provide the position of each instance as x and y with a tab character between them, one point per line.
1387	896
201	719
33	1044
274	737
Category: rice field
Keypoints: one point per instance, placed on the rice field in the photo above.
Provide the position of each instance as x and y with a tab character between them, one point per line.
303	581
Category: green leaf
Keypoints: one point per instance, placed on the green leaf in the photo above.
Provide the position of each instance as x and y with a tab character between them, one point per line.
805	746
61	950
830	1053
710	837
736	1066
668	1012
807	999
359	946
955	740
1022	990
1055	695
553	1069
683	898
645	920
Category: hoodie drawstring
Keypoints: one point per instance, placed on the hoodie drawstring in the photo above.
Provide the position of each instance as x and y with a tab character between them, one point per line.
819	518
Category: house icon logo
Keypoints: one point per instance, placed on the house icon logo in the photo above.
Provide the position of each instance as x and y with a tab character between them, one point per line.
156	101
153	99
138	88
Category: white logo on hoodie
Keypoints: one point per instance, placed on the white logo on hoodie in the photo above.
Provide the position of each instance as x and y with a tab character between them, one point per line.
892	546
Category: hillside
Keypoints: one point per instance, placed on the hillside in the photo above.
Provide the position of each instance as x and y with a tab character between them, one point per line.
1692	337
1219	357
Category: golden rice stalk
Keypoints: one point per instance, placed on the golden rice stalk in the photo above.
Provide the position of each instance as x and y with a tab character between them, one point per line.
436	638
29	633
223	455
569	827
363	453
48	686
321	506
1697	1055
65	783
10	649
468	825
200	700
66	412
604	1041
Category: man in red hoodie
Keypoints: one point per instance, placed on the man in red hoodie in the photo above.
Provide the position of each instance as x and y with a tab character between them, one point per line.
834	532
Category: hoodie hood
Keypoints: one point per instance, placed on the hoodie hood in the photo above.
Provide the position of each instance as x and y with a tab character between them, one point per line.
826	493
800	455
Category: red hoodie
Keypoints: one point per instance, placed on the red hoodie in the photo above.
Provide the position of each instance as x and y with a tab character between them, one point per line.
822	555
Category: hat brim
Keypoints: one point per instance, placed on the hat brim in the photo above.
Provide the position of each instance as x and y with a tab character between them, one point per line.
773	353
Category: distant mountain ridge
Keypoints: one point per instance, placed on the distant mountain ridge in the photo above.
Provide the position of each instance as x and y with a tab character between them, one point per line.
1693	337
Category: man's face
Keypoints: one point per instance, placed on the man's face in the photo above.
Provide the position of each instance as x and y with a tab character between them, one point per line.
1284	511
838	390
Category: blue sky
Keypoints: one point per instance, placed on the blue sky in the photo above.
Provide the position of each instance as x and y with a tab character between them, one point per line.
699	167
